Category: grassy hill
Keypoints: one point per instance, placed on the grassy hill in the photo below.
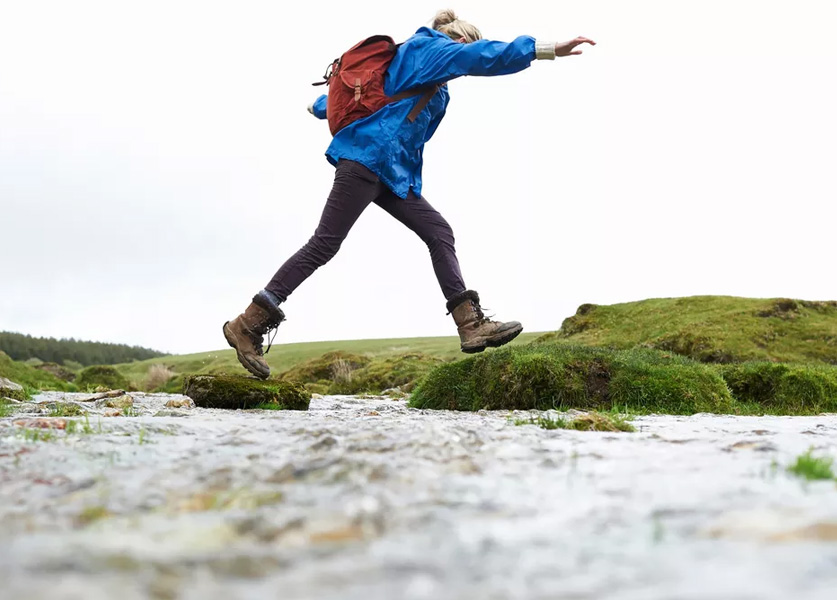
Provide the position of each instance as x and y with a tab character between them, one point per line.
30	378
713	329
284	357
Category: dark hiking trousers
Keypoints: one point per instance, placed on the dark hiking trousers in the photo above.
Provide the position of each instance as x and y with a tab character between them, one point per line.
355	187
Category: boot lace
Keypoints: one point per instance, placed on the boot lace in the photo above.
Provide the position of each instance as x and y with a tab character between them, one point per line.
272	330
258	340
481	316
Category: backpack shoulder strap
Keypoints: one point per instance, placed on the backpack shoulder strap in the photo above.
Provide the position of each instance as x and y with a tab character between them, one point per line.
426	94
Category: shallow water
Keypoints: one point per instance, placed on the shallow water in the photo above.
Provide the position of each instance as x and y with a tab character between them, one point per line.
365	498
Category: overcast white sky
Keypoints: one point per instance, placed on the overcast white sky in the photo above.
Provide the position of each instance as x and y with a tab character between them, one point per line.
157	165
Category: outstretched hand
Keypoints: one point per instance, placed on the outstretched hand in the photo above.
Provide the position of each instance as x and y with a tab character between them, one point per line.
569	48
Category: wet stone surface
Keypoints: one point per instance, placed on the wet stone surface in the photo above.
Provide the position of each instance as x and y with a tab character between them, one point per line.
364	498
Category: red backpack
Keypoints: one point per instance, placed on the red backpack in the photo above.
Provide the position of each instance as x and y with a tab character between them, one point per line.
356	83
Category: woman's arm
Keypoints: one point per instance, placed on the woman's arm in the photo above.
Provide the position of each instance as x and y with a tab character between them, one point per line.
424	61
428	60
318	108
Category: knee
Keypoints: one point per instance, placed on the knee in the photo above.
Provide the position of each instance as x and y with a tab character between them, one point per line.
324	246
441	235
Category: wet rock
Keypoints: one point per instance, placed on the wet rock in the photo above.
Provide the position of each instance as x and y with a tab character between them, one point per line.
180	403
233	392
10	389
41	423
101	396
171	413
752	445
113	412
324	443
123	402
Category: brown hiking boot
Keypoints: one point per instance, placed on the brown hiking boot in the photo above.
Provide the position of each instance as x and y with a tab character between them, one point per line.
476	331
245	333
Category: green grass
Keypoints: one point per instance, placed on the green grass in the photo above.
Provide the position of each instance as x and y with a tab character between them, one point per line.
347	373
563	377
6	409
102	376
544	422
812	468
283	357
61	409
30	378
592	421
783	389
719	329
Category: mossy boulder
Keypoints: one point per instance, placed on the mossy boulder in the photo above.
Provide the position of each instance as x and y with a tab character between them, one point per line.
12	390
780	388
234	392
102	376
563	377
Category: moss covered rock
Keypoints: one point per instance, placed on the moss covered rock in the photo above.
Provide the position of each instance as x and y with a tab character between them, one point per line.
101	376
233	392
563	377
10	389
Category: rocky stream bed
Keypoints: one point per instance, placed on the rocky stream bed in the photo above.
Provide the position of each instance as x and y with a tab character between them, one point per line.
363	498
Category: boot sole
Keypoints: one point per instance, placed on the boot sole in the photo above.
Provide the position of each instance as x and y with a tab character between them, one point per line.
230	340
494	342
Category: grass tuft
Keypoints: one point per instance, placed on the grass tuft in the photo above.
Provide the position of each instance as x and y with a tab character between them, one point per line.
563	377
812	468
592	421
787	389
102	376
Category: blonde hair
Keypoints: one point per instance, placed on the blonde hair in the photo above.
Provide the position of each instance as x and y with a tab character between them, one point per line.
448	23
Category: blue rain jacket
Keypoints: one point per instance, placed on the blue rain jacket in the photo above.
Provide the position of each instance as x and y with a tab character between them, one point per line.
389	145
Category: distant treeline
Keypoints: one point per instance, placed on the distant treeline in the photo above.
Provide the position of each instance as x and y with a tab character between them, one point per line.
24	347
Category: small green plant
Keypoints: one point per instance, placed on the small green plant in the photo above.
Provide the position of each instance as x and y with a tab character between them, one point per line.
37	435
596	421
5	409
142	435
61	409
544	422
812	468
91	514
71	428
593	421
86	428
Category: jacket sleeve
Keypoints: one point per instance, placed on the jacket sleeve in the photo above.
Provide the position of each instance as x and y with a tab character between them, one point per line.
318	109
432	60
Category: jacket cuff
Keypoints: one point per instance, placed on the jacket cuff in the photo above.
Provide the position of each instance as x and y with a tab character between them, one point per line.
545	50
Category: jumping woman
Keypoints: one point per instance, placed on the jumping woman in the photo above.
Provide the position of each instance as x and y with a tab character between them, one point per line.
379	136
